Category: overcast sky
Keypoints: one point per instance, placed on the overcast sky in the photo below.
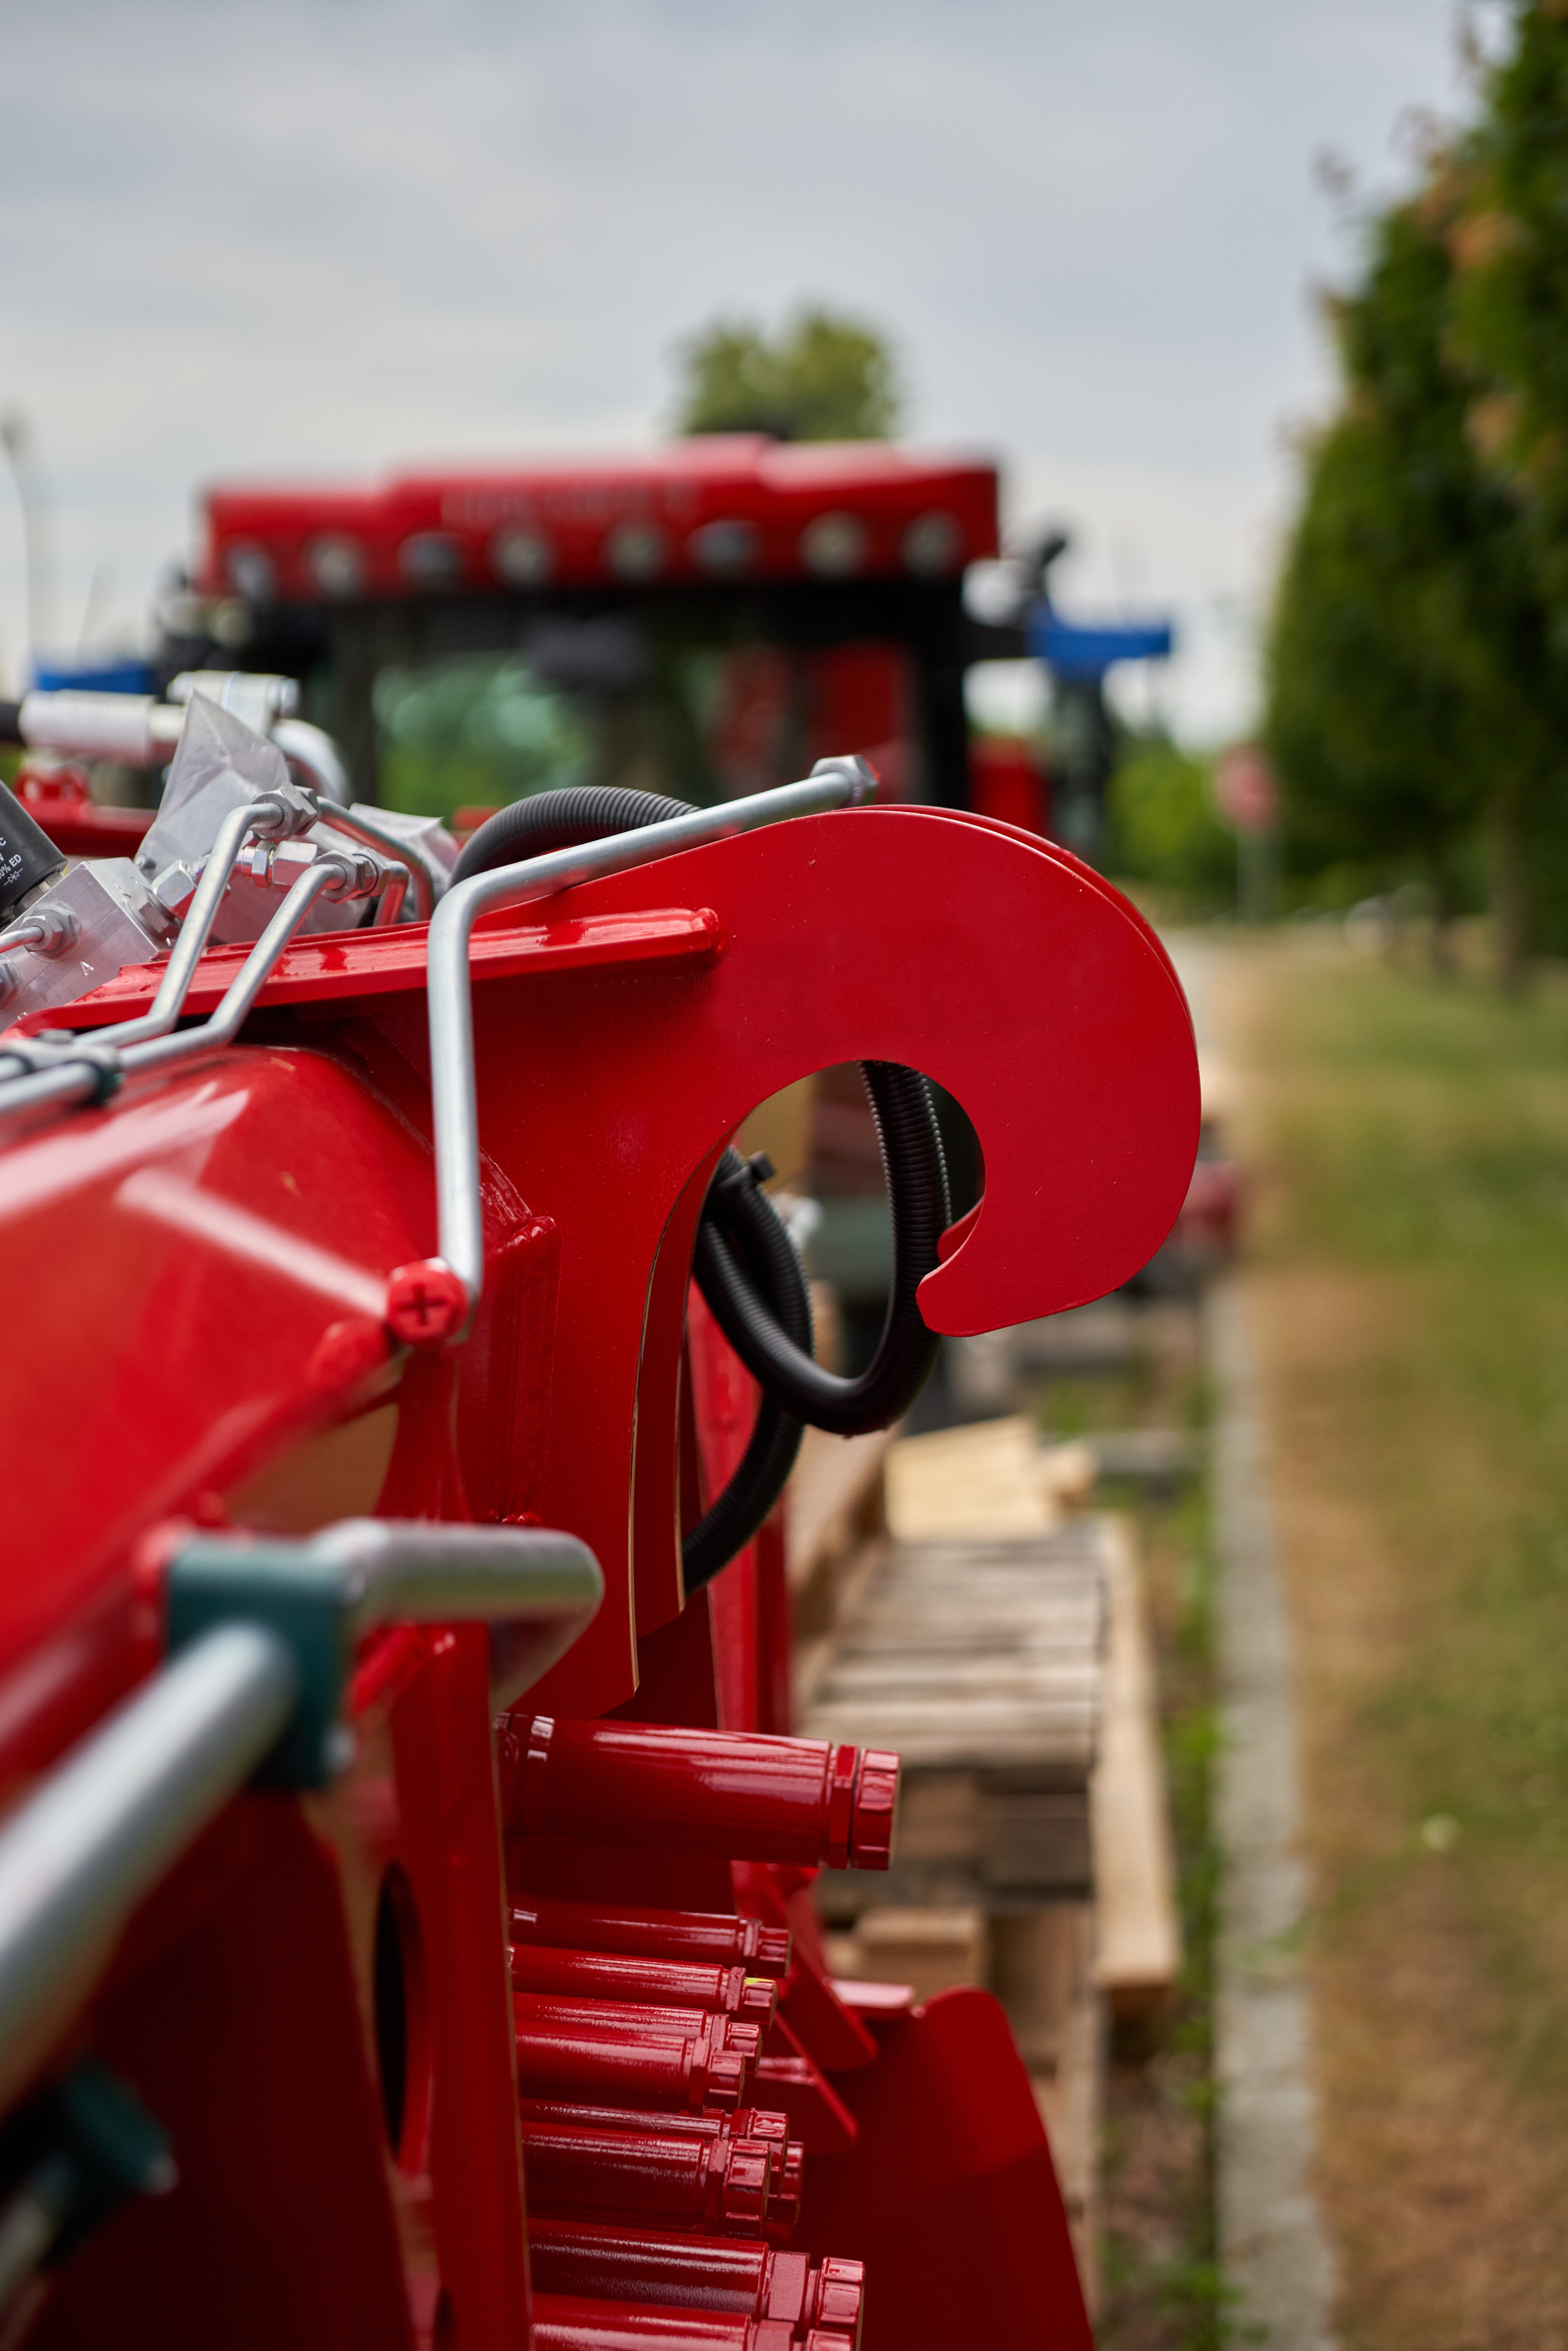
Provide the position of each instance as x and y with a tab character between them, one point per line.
328	236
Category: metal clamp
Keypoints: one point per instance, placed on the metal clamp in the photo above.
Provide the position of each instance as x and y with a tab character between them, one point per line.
832	784
319	1596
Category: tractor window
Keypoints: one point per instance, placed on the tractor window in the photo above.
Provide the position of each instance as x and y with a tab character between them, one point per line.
473	730
600	699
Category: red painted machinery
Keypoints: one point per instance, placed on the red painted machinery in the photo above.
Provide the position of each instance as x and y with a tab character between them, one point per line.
708	618
406	1933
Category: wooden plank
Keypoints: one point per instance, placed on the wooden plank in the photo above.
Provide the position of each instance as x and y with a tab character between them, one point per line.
930	1949
983	1479
1137	1928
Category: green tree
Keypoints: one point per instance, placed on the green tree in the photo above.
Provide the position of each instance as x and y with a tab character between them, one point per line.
824	377
1161	827
1511	251
1406	658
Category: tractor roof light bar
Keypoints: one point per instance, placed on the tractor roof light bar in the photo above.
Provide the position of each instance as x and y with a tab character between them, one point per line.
832	784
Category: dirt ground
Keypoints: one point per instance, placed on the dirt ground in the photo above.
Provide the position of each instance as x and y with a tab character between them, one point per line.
1407	1478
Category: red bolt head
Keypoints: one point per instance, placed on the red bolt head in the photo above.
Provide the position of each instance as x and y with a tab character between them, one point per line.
426	1303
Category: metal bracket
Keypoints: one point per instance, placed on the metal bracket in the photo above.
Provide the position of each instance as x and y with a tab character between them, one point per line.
319	1596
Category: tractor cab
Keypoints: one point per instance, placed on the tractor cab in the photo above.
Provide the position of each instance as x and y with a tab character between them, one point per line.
704	621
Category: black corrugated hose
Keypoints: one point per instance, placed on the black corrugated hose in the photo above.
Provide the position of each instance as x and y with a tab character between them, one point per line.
755	1231
917	1190
562	820
745	1264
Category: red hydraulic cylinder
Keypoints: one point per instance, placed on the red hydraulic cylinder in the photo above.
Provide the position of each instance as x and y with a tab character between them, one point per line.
711	1937
676	1983
787	2157
615	2053
566	2323
665	2178
734	1795
606	2265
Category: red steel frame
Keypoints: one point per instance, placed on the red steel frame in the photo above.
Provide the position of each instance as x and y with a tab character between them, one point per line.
199	1334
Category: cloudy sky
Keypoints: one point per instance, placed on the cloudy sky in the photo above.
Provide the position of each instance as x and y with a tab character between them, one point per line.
329	235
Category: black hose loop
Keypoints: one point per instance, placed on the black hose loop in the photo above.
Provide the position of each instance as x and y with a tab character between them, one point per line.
917	1188
745	1262
759	1475
560	820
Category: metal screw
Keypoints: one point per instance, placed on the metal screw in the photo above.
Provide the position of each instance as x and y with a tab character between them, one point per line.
426	1303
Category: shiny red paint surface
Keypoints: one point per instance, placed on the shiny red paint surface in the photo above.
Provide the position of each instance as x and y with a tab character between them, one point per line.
608	2264
739	1794
338	965
659	2178
610	1975
197	1286
691	1935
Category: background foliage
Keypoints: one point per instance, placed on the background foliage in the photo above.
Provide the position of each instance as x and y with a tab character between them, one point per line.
822	377
1418	656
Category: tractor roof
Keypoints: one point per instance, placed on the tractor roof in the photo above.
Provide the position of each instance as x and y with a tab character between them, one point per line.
724	506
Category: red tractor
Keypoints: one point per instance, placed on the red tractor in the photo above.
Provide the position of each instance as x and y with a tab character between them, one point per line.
704	621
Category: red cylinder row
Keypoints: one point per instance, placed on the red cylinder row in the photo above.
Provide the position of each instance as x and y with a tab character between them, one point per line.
711	1937
564	2323
734	1795
615	2053
757	2124
662	2178
752	2281
676	1983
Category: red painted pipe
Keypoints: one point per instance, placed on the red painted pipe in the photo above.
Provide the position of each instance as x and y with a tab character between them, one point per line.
608	1975
563	2324
611	2052
785	2179
735	1794
608	2265
663	2177
707	1937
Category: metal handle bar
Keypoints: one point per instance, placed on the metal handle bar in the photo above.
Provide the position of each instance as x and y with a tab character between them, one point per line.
835	784
416	1571
79	1855
228	1016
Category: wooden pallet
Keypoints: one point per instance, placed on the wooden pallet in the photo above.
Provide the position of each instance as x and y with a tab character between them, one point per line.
999	1644
978	1662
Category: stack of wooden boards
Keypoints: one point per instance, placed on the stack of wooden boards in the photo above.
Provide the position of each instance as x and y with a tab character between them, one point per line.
993	1635
980	1662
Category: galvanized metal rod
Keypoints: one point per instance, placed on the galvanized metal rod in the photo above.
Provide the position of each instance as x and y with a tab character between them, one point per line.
68	1081
426	874
454	1091
77	1857
228	1016
145	1043
174	986
392	1568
